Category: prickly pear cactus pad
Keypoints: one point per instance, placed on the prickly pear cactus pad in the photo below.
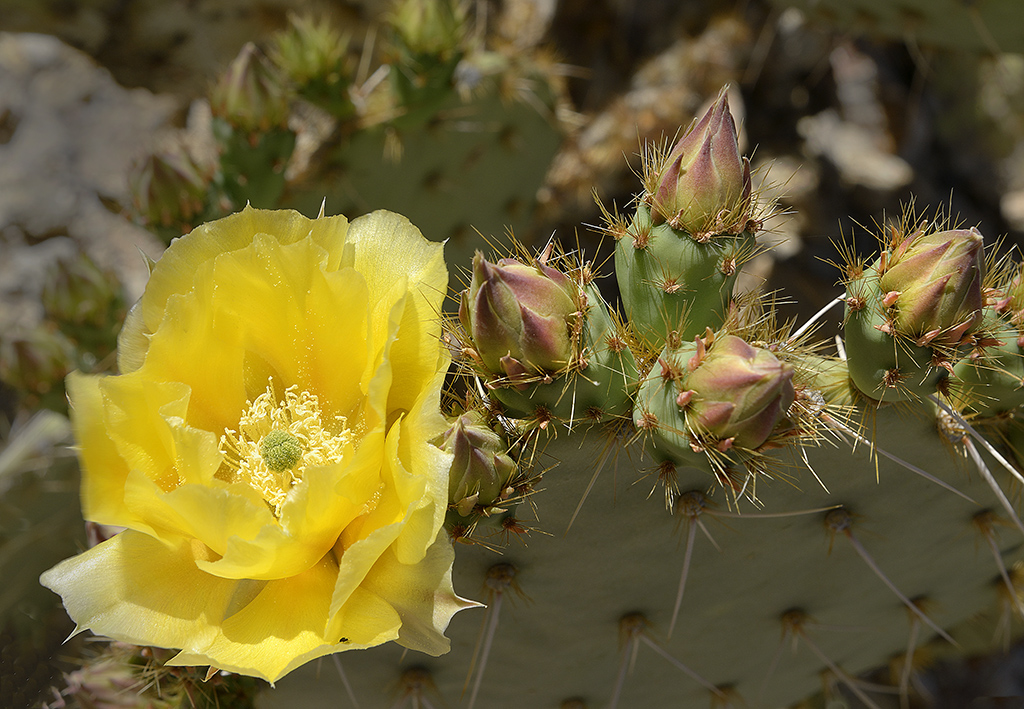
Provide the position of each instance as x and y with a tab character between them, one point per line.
388	462
559	633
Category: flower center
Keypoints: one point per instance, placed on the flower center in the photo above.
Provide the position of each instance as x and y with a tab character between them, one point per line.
278	439
280	450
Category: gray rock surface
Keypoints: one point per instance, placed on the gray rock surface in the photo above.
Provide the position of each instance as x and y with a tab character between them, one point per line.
68	134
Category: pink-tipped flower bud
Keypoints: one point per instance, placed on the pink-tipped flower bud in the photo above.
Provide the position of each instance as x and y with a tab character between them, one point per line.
704	185
481	468
742	392
519	317
937	278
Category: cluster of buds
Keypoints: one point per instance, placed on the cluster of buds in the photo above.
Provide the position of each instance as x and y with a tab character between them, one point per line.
910	312
703	186
482	471
520	319
717	396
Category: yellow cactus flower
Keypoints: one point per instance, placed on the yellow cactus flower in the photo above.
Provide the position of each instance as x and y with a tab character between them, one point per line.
266	447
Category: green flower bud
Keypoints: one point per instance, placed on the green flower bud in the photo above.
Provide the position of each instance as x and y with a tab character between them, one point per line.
481	468
429	27
313	55
250	96
704	185
737	391
519	317
169	190
86	303
932	286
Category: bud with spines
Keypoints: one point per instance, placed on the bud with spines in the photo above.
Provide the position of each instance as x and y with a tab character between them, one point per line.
428	41
717	400
519	317
482	471
910	312
250	106
703	187
170	191
314	56
546	343
989	381
678	260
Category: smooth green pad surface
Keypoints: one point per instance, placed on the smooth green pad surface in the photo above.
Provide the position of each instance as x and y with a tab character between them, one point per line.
624	554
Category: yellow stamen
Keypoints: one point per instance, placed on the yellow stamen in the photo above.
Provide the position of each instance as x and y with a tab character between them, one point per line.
277	440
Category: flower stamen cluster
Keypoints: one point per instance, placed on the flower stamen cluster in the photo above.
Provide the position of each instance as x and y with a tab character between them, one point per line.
277	440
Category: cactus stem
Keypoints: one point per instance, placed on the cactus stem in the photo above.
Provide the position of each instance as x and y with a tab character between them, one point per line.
839	520
691	535
633	630
985	522
989	448
908	663
344	680
682	667
979	462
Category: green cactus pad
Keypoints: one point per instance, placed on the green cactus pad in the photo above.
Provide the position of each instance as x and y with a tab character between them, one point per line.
671	282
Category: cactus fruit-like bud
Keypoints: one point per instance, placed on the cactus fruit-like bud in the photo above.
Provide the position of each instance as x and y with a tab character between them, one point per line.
88	305
933	285
312	53
924	290
429	27
743	392
250	96
169	190
716	393
704	187
481	468
519	317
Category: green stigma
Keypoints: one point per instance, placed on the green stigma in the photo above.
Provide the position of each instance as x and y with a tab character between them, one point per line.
280	450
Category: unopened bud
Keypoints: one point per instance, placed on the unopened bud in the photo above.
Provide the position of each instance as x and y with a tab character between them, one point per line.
704	186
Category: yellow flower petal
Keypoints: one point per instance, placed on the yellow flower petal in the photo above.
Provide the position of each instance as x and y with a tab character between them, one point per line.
174	272
421	594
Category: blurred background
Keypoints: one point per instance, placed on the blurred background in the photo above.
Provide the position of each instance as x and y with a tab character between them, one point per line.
124	123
